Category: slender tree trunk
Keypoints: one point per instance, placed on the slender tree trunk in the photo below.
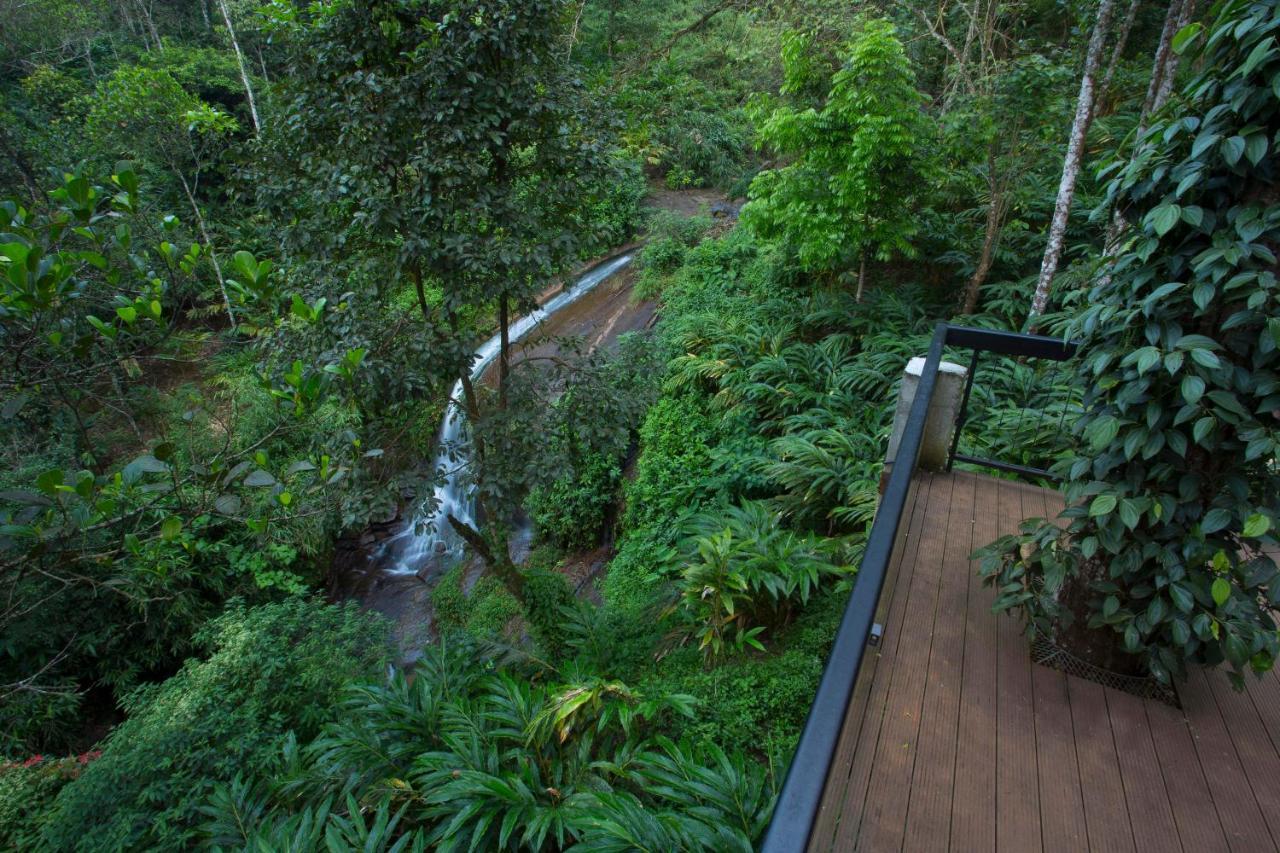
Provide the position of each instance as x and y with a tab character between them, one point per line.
1071	163
208	241
1160	65
862	277
204	12
1174	59
1118	51
145	10
244	71
991	236
1163	68
573	32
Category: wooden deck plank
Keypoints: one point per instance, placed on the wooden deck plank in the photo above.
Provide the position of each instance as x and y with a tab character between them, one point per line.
1265	693
973	808
1254	748
1145	793
1237	808
1106	813
933	774
1017	769
1062	817
1189	794
885	811
867	705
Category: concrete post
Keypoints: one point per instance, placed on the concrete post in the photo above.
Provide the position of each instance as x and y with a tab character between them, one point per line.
944	409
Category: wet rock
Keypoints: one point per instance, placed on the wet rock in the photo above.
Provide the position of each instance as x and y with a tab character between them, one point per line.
725	210
367	539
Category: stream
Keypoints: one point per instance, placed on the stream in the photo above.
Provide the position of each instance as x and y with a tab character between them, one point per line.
392	567
407	551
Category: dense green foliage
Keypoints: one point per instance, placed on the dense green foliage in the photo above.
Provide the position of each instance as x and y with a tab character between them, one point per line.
248	247
226	714
855	164
1173	490
468	758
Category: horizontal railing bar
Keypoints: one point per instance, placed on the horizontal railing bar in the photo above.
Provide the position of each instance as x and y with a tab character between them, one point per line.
1011	343
1008	467
802	790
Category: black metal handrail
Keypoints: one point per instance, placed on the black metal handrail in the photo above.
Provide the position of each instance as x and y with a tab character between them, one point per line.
1007	344
802	790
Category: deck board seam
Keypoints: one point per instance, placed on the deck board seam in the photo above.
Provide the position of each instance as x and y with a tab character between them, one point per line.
1164	779
1244	767
933	633
1124	790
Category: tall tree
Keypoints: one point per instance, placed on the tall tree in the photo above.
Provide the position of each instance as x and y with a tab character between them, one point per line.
244	71
1071	162
855	165
144	114
451	139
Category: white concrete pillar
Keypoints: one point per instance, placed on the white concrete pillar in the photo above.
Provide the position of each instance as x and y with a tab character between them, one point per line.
944	408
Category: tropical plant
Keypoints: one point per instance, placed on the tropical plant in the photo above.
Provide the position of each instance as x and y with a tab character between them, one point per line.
270	670
856	163
744	573
1172	494
461	758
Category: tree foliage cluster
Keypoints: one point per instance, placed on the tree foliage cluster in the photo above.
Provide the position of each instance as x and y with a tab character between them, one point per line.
251	246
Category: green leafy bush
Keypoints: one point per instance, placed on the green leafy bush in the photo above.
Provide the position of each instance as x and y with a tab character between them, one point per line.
758	701
570	511
27	789
483	613
468	758
1173	493
743	573
546	598
270	669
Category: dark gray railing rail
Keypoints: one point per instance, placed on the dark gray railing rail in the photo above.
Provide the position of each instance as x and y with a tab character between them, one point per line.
801	795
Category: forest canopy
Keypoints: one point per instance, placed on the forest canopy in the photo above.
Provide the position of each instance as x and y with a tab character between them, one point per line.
310	536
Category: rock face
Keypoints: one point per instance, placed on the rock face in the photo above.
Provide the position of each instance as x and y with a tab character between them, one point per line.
726	210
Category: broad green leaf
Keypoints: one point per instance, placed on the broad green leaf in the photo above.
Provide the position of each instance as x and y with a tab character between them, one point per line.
1102	505
1257	525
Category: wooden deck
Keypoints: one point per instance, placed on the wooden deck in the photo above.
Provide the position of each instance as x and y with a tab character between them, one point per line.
956	741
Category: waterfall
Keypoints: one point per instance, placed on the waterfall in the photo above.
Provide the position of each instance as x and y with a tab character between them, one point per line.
452	496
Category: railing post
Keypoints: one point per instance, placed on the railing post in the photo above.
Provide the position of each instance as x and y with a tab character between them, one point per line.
944	410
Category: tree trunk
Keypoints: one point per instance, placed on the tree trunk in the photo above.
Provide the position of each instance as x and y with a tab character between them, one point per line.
1174	59
244	71
145	11
862	277
1163	68
1118	51
213	255
498	560
1071	163
991	236
1160	65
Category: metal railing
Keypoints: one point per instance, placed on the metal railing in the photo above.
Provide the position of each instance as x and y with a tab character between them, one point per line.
802	791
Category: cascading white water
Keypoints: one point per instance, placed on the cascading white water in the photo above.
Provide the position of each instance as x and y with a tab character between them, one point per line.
452	496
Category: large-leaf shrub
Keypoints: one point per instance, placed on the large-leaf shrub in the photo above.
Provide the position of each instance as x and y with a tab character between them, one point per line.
744	573
468	758
1173	493
270	669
